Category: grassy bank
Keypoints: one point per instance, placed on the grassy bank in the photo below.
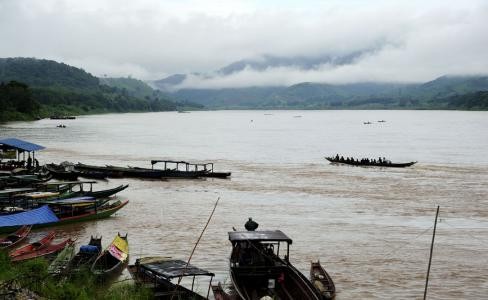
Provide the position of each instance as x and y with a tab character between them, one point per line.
32	276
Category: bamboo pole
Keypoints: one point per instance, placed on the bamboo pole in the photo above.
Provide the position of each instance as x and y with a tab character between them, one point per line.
196	244
430	257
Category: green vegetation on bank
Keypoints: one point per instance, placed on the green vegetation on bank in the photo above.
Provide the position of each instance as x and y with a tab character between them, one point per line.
32	276
49	87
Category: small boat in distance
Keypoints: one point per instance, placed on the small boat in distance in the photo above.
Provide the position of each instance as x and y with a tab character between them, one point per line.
368	162
381	121
113	259
13	239
367	123
322	281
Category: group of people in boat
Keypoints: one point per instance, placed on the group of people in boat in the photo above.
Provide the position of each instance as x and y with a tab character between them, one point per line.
13	164
365	161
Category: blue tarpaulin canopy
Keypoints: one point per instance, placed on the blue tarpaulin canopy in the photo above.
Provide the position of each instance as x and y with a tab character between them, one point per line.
21	145
40	215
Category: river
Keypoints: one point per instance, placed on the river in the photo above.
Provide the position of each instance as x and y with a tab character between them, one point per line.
370	227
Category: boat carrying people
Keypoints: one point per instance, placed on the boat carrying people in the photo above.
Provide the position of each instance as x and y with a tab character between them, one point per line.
380	162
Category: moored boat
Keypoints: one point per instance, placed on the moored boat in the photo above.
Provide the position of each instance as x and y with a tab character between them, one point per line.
46	240
322	281
44	251
13	239
87	254
113	259
157	273
64	214
60	264
257	270
386	164
60	172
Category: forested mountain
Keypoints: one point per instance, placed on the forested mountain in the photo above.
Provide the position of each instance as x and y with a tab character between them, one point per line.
57	88
430	95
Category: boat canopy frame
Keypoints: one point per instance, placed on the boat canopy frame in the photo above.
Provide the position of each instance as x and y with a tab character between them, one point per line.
207	167
169	269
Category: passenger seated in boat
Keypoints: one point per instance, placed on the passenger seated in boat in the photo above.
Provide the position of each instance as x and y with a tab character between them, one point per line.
337	157
379	160
342	158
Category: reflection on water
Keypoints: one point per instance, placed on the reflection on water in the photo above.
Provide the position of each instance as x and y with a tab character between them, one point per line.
370	227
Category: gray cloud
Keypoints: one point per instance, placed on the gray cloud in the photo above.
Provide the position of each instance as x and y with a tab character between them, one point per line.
413	40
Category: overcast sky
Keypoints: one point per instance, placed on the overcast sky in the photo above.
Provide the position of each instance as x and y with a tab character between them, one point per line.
412	40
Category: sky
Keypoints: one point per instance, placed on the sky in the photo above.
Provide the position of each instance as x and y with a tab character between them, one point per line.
398	41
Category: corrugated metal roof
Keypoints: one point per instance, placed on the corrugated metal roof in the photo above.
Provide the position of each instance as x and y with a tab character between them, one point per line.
20	144
174	268
259	236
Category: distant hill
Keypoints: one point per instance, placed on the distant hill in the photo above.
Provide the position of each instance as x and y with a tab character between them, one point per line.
60	89
134	87
369	95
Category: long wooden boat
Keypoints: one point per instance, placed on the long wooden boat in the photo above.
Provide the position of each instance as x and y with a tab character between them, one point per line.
13	239
136	172
60	264
322	281
99	213
377	164
93	214
87	254
257	270
105	193
113	259
44	251
33	246
60	172
157	274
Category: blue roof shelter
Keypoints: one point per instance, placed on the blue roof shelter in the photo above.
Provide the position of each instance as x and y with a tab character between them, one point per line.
20	146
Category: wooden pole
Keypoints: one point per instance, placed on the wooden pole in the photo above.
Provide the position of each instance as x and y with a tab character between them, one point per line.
196	244
431	251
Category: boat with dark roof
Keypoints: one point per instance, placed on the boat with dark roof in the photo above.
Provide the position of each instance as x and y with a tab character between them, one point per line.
157	273
258	269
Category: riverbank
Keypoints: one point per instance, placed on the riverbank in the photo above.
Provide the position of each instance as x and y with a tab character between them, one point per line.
31	279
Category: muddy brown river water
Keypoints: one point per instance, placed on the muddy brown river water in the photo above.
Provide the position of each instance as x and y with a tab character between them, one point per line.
370	227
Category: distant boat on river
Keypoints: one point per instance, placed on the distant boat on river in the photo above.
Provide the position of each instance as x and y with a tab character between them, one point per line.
374	163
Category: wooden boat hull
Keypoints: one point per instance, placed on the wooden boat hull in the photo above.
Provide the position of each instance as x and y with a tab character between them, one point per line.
86	258
114	171
33	246
62	174
14	239
322	281
105	193
217	174
112	260
253	283
104	213
359	164
60	264
44	251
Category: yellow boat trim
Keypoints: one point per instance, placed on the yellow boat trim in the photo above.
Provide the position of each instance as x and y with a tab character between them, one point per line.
121	244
